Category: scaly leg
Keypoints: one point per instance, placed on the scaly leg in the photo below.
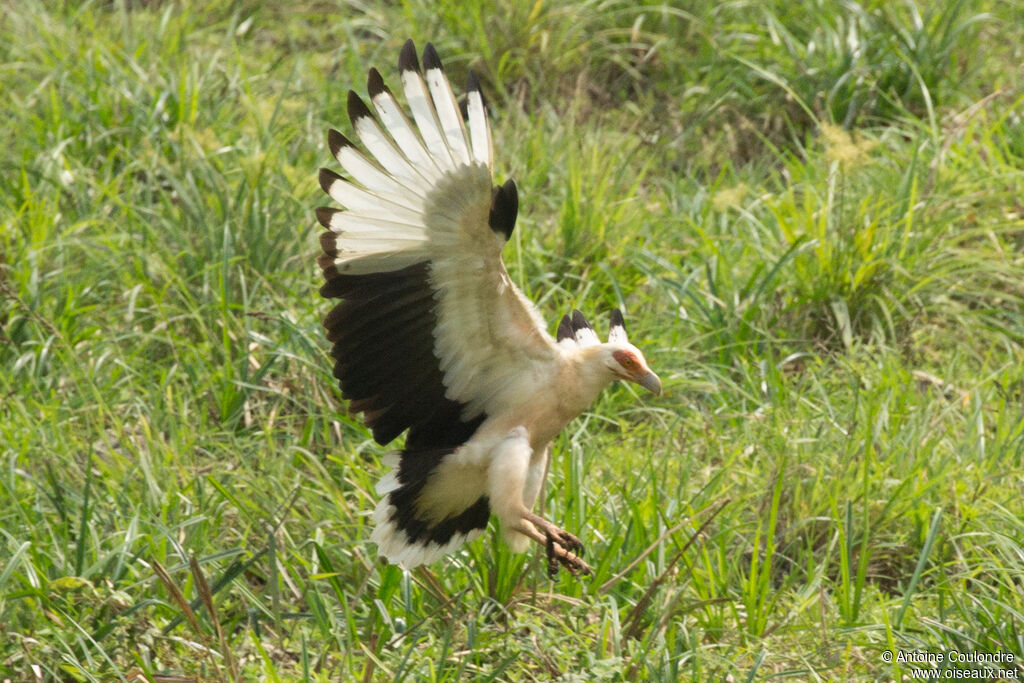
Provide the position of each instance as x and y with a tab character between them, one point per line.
561	546
509	483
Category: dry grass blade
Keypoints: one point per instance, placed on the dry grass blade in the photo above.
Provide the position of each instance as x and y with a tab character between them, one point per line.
203	588
633	620
177	596
430	617
640	558
139	676
182	603
371	662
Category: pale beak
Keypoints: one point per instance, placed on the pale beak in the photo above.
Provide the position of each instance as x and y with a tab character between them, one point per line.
651	383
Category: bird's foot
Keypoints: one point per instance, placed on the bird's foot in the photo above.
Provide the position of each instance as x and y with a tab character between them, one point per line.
565	549
562	547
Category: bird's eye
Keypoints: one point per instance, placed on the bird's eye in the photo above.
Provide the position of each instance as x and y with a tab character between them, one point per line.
626	360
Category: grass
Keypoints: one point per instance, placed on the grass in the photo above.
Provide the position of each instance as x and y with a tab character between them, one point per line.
809	210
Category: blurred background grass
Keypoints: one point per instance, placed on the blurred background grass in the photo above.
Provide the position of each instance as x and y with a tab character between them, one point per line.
811	212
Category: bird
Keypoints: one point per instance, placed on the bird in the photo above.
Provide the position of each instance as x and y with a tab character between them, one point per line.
432	338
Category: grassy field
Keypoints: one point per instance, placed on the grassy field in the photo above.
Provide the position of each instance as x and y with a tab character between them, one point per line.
811	211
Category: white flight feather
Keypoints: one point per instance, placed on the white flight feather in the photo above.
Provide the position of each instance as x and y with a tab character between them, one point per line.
388	483
479	128
407	208
359	224
384	150
378	261
617	335
370	176
426	119
358	246
448	115
585	336
397	124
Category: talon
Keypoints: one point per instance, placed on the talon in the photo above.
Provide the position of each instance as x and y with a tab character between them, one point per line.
563	551
561	547
549	546
572	544
575	565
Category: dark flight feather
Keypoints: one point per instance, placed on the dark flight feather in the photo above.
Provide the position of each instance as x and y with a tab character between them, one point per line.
431	60
565	329
407	60
375	83
357	109
504	208
383	344
579	322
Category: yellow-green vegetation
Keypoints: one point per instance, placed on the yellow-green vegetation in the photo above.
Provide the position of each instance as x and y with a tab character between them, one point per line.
811	212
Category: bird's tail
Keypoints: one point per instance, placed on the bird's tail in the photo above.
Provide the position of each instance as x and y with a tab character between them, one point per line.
430	507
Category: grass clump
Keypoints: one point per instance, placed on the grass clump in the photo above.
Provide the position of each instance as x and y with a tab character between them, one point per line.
810	212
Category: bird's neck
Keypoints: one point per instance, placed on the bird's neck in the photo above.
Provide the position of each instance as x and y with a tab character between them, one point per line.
592	375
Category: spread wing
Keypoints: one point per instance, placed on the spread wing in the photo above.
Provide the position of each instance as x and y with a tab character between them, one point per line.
431	334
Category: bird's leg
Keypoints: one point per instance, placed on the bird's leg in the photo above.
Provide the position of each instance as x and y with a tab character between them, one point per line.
561	546
509	484
559	535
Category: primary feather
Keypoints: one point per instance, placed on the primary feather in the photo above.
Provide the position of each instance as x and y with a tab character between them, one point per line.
431	336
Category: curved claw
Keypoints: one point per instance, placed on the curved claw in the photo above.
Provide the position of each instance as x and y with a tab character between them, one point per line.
562	548
561	551
571	543
549	547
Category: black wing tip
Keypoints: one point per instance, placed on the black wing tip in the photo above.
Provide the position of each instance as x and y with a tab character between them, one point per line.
617	320
510	187
431	60
564	329
357	109
375	83
407	59
504	208
473	86
336	141
327	178
324	215
328	244
579	321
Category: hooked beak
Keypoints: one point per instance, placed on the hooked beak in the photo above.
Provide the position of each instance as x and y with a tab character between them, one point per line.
651	383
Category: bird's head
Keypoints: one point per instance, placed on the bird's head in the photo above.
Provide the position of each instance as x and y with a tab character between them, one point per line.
625	360
617	357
